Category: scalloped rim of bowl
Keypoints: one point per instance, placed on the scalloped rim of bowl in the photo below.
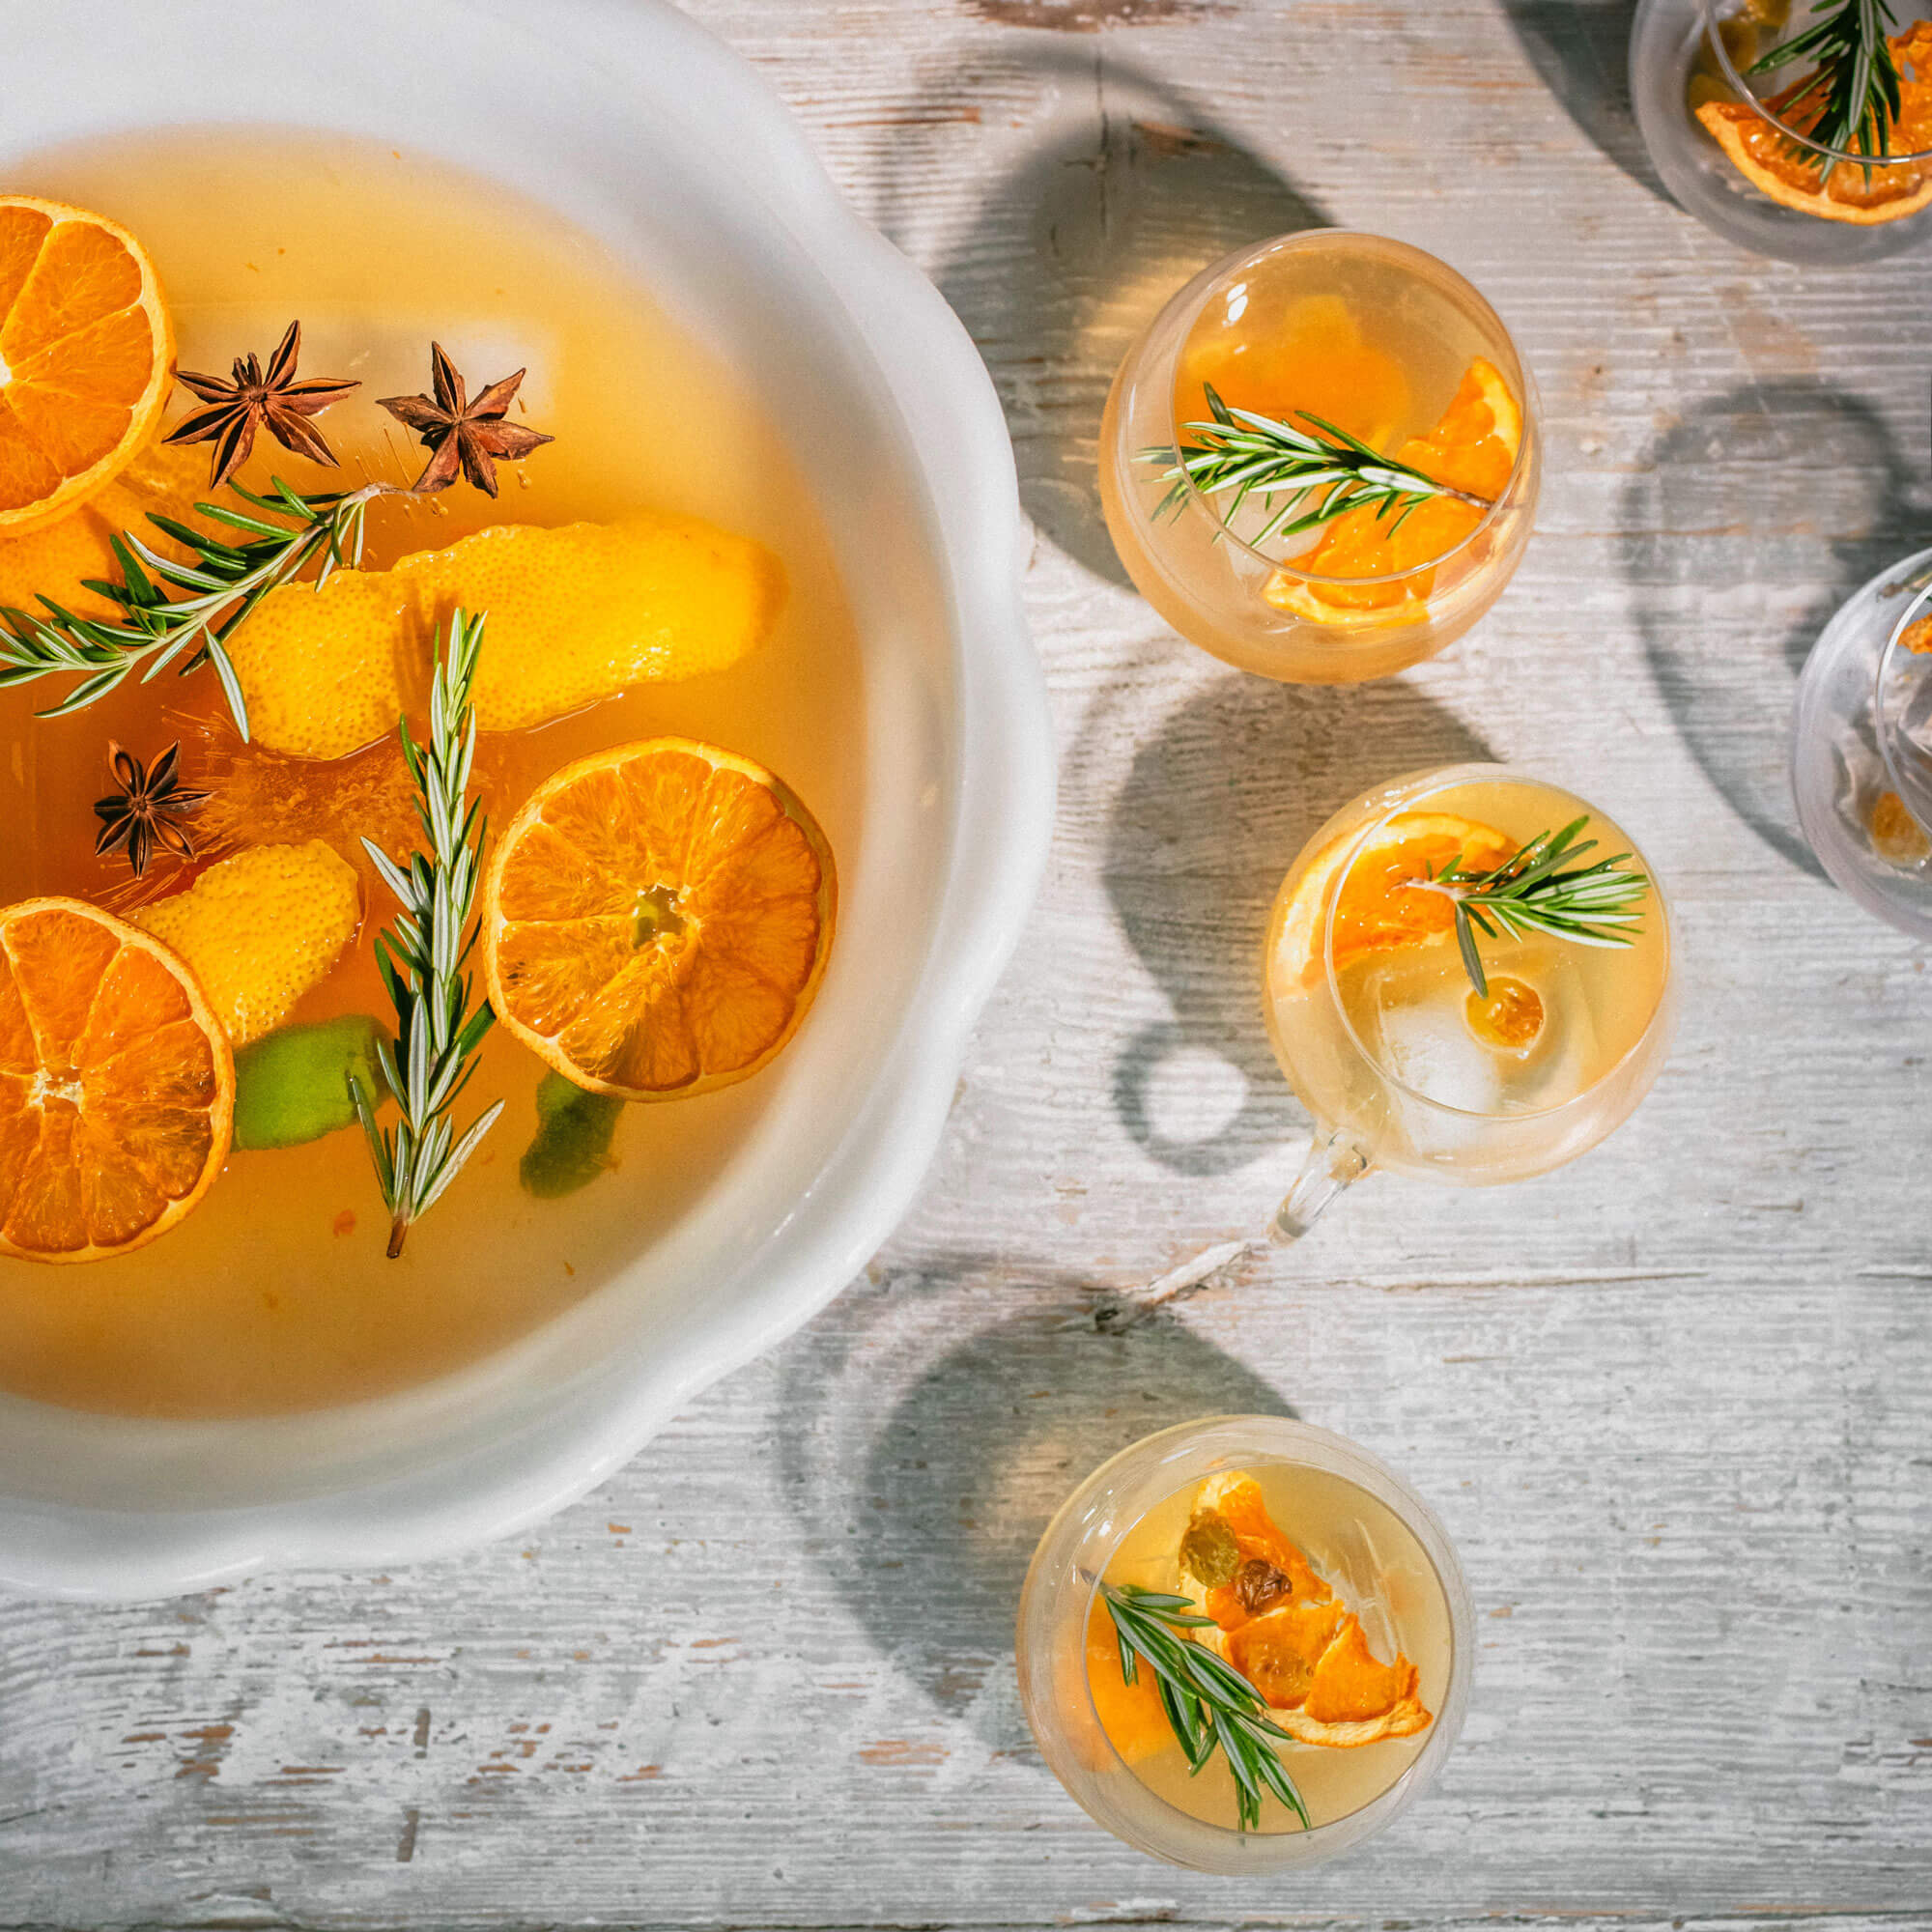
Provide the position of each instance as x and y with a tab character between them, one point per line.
999	815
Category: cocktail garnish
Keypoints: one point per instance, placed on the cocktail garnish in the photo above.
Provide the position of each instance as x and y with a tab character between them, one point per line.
1854	87
1323	476
258	398
460	434
1208	1701
145	808
423	955
1534	891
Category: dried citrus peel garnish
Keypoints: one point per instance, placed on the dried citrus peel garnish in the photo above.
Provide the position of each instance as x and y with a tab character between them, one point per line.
1474	447
1288	1632
1372	911
1789	173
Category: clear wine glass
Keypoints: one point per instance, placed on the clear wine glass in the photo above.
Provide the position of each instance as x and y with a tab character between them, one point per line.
1683	52
1382	1034
1862	746
1334	322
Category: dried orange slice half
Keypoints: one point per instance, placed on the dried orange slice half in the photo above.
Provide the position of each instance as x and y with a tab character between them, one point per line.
1472	447
1285	1629
86	351
657	919
117	1085
1374	911
1794	178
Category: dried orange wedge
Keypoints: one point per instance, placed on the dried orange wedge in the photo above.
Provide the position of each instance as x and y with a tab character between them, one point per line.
657	918
1132	1715
1474	447
117	1085
85	356
1374	911
1794	178
1285	1629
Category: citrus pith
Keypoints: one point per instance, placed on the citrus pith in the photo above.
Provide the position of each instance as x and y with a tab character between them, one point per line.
86	355
117	1085
657	919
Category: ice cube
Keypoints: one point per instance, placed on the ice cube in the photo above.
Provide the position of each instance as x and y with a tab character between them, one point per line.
1421	1038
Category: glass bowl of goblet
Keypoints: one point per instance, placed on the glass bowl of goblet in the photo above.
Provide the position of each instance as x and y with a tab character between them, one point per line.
1339	361
1729	105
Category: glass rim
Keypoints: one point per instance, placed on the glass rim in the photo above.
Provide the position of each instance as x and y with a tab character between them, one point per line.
1918	607
1195	503
1748	98
1414	792
1281	1458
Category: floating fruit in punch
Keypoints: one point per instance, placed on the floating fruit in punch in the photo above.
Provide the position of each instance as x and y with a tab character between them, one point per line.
56	558
117	1085
572	1144
85	353
577	614
293	1087
657	919
260	929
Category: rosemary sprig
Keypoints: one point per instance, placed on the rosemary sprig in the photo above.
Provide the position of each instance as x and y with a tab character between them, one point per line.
1323	474
1857	78
1536	892
423	954
224	580
1208	1701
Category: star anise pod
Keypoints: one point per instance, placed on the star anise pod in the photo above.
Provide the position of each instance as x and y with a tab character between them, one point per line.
145	810
460	434
270	399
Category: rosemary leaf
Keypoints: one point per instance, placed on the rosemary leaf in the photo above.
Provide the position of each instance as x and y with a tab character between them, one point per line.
1209	1704
1322	472
1855	81
423	953
1538	891
223	581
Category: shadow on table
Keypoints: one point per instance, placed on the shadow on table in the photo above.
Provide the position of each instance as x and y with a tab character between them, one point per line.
1218	801
925	1516
1130	188
1581	50
1779	499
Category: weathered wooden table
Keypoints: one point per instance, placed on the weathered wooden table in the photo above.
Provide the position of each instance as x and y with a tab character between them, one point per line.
1674	1403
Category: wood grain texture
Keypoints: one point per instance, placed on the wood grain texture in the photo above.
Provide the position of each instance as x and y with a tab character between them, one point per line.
1674	1403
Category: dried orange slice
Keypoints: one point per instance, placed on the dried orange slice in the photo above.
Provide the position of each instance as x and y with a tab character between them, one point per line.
1132	1715
85	356
1285	1629
1472	447
1791	175
657	918
1374	913
117	1085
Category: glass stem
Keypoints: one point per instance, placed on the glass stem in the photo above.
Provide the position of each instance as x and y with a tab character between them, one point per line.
1332	1164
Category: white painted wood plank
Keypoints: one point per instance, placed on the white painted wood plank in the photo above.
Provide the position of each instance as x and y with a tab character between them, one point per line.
1674	1401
